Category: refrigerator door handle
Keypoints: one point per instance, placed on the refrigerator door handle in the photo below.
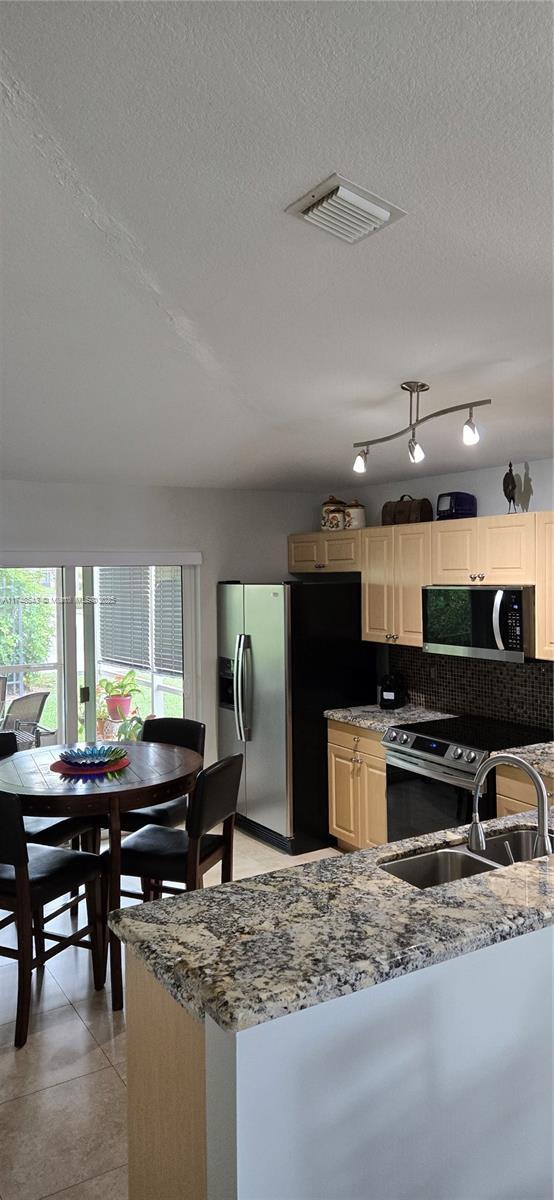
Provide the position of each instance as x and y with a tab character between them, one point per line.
236	687
241	671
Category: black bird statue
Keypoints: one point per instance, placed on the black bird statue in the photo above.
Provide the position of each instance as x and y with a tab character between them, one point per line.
509	486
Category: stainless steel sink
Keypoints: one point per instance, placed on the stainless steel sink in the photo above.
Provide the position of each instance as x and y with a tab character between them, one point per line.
520	841
436	867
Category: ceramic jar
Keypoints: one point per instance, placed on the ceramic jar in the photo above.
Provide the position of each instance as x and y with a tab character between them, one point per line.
333	507
354	515
335	519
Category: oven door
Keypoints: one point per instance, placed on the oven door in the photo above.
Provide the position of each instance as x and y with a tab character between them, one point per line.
426	797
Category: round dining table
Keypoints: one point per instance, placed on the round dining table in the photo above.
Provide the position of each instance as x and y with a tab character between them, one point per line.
156	772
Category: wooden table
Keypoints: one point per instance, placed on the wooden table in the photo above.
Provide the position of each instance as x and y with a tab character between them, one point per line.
156	772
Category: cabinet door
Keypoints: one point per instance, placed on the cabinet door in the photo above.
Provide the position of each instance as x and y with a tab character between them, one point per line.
373	801
454	551
412	570
306	552
506	806
344	795
506	549
377	584
342	551
544	593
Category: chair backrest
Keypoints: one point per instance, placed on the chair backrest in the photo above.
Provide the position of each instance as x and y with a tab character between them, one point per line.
8	744
26	708
13	847
175	731
215	796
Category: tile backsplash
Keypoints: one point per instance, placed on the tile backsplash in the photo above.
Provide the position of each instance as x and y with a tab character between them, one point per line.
521	692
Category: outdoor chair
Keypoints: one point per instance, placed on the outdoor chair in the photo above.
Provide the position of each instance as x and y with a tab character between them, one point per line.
23	718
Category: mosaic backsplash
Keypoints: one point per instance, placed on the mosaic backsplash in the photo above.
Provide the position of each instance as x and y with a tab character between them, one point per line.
521	692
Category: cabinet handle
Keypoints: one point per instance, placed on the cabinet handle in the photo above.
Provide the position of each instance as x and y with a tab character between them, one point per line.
473	578
481	575
394	637
319	566
355	738
388	637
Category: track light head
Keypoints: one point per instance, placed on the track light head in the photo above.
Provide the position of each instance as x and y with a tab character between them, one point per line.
360	462
416	453
470	433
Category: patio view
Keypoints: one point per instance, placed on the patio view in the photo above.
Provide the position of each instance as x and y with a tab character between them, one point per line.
127	629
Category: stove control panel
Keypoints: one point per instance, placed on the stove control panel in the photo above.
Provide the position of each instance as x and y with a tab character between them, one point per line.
425	746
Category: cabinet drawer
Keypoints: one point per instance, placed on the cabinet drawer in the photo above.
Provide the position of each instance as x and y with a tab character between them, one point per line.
506	806
513	784
355	738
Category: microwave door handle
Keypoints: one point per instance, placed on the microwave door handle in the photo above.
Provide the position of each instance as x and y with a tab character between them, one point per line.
236	670
496	619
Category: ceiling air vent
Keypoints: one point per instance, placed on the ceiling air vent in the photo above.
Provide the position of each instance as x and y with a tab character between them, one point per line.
345	210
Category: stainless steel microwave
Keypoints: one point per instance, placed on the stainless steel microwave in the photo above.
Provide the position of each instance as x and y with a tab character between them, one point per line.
480	622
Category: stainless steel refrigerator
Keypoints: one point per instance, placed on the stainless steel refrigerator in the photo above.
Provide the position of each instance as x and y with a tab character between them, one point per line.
286	652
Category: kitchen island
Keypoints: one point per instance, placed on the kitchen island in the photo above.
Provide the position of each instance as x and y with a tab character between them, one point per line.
330	1032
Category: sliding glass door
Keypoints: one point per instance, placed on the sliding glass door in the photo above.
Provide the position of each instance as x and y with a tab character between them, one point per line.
98	648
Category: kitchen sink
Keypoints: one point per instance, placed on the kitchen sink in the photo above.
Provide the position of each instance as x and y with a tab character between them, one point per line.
520	841
438	866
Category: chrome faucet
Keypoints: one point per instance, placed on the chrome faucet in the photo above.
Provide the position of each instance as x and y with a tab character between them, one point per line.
476	838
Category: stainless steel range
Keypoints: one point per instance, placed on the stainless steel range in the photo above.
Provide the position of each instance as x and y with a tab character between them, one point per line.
431	767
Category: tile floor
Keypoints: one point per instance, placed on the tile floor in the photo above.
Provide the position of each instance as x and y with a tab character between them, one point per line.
63	1095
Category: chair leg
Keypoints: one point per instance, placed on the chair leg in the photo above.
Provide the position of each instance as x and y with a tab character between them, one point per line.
146	885
25	958
75	894
96	914
157	885
105	902
227	860
38	928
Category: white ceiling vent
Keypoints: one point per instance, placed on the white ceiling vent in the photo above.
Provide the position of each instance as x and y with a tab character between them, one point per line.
345	210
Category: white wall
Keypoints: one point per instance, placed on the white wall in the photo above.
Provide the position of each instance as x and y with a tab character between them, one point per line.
241	535
485	483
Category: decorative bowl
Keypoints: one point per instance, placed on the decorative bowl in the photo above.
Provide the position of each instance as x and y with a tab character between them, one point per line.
92	756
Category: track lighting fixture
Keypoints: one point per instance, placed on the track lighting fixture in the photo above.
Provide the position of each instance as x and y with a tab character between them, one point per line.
470	433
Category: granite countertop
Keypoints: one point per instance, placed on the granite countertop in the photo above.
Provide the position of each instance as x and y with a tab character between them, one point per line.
370	716
541	756
262	948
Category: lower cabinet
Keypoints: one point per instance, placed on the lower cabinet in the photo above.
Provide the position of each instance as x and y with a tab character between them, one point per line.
515	793
506	806
357	787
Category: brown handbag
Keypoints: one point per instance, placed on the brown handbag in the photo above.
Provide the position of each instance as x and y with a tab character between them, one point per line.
406	511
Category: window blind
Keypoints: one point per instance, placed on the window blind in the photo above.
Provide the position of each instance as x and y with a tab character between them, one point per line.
124	615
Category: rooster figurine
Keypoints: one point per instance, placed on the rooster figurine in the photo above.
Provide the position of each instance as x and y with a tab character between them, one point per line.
509	486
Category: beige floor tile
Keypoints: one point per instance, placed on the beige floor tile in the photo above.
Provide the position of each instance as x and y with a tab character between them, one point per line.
46	992
63	1135
106	1027
121	1069
59	1047
72	970
111	1186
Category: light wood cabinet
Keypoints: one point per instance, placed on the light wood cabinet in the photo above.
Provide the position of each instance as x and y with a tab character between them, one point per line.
396	564
486	550
513	785
506	806
311	552
344	795
357	786
544	592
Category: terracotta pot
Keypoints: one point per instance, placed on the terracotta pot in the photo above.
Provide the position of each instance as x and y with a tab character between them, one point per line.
118	707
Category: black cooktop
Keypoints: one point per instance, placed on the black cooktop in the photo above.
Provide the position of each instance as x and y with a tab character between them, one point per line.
482	733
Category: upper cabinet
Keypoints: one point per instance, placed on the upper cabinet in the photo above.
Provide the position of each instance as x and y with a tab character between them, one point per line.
544	593
484	550
396	564
311	552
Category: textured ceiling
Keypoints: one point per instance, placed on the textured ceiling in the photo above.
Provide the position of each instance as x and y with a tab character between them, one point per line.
165	321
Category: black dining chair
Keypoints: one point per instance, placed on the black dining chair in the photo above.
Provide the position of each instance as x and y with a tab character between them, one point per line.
171	731
30	877
155	853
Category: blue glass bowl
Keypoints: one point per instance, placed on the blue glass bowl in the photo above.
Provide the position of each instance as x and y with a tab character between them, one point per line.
92	756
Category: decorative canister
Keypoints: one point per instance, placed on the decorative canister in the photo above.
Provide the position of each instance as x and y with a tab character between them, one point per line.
332	505
354	515
335	518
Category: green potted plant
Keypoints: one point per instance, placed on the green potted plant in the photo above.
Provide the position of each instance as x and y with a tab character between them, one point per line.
118	694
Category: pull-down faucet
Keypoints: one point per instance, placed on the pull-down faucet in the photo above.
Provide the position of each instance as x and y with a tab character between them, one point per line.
476	837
